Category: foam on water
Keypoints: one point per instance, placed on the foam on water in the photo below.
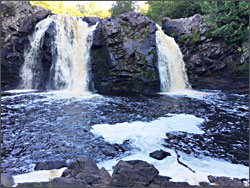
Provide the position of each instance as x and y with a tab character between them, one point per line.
38	176
188	93
147	137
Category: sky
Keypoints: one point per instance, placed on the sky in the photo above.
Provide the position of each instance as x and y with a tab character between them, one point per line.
104	4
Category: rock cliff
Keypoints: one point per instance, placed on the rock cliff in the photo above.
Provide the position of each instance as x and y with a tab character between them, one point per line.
123	55
18	21
210	63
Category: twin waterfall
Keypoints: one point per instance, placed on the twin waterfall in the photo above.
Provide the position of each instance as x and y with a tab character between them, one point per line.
171	66
69	48
70	53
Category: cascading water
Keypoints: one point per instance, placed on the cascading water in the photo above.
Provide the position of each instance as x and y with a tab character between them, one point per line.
171	67
70	53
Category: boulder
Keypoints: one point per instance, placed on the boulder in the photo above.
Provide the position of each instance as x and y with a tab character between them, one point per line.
6	180
48	165
159	154
83	172
226	181
134	173
124	57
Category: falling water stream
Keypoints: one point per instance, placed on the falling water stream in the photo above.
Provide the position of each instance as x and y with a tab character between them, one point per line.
171	66
70	54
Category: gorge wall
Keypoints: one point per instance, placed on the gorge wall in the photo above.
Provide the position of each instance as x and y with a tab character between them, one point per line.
210	63
123	55
18	22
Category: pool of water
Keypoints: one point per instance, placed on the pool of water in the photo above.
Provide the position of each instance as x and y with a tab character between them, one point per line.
39	126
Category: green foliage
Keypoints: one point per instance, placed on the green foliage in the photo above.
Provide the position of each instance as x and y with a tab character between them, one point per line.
120	7
196	36
229	19
172	9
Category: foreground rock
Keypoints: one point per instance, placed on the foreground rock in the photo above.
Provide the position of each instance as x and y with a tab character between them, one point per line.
227	182
48	165
6	180
210	63
123	55
135	173
159	154
81	173
18	22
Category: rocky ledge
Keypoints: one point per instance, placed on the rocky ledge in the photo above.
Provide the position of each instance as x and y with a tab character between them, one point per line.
135	173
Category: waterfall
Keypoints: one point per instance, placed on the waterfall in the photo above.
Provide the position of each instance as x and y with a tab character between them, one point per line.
72	39
171	66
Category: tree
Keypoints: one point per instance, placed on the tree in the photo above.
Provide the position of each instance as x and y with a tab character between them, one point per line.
230	20
120	7
173	9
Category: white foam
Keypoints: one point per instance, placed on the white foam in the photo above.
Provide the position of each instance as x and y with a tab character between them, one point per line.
21	90
188	93
38	176
147	137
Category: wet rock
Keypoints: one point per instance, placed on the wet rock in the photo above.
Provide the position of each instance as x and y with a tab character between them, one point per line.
68	182
124	57
159	154
6	180
159	181
48	165
226	181
86	172
133	173
174	184
33	184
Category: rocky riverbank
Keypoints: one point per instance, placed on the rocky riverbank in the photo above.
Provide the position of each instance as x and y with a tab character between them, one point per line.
135	173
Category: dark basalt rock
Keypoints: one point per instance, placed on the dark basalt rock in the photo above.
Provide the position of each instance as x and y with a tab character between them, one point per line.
48	165
6	180
83	172
33	184
159	154
124	57
227	182
133	173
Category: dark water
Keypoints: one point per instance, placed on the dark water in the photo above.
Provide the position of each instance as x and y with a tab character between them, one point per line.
38	126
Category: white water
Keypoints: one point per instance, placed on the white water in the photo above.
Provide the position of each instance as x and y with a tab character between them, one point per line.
70	51
38	176
171	67
146	137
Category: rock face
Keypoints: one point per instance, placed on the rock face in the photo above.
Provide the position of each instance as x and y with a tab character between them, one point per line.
6	180
81	173
133	173
210	63
123	55
18	22
159	154
48	165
